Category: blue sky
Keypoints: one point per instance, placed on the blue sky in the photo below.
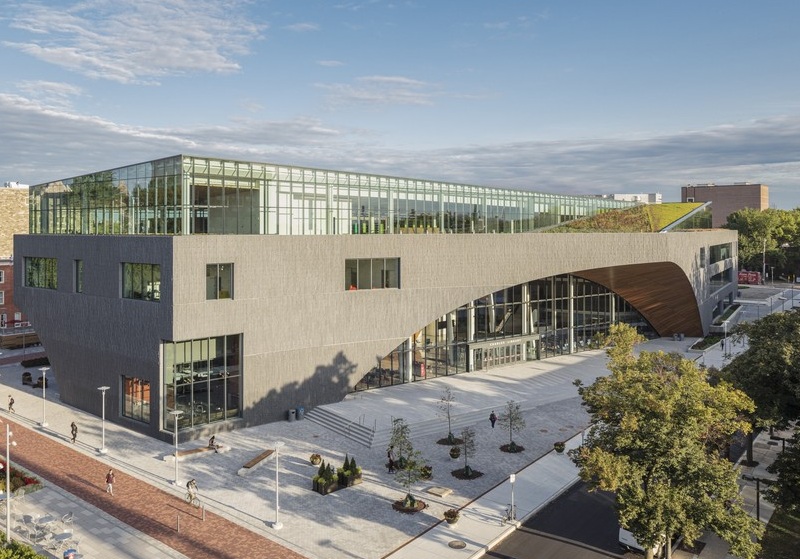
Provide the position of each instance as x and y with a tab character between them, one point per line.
579	97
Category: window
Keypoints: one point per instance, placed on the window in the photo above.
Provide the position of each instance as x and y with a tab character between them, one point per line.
219	281
202	378
702	257
136	398
720	252
2	297
41	272
141	281
372	273
79	276
2	276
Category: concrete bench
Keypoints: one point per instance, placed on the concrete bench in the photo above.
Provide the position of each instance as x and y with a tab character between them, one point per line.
191	452
255	462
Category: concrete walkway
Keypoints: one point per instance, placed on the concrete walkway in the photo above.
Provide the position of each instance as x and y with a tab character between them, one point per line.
356	522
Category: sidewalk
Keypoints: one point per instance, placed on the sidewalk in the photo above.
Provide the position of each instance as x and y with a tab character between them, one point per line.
141	520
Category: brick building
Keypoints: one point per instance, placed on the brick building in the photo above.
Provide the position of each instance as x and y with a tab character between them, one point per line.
13	220
727	198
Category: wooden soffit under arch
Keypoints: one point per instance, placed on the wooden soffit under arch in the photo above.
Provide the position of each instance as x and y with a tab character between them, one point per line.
660	291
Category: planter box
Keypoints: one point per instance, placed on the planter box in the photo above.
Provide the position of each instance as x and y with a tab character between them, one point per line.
349	481
325	489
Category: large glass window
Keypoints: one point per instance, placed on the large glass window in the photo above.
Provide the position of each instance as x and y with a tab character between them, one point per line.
720	252
136	398
141	281
371	273
41	272
202	379
219	281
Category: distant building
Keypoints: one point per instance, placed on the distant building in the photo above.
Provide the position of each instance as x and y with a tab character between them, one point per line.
652	198
727	198
13	221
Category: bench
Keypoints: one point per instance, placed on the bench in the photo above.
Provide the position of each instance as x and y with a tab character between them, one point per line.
255	462
190	452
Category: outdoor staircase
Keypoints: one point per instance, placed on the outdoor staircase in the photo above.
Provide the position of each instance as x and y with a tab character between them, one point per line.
373	435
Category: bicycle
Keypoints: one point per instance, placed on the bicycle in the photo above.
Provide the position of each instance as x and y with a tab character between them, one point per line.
192	499
509	515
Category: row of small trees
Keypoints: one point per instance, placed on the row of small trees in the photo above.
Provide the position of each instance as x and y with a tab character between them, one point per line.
510	418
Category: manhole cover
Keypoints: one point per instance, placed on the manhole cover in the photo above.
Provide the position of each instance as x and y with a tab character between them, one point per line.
457	544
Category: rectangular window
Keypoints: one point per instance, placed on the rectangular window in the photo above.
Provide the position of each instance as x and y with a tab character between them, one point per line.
719	252
141	281
219	281
2	276
702	257
371	273
202	379
2	297
79	276
136	398
41	272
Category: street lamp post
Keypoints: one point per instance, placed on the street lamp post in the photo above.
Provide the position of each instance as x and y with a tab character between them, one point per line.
9	444
44	395
764	262
277	525
175	415
103	449
512	512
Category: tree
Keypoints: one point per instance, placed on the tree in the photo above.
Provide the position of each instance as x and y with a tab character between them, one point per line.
785	492
511	419
769	237
769	370
400	439
446	406
656	430
467	448
409	460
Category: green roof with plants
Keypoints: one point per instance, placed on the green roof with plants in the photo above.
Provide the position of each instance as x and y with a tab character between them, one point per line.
645	218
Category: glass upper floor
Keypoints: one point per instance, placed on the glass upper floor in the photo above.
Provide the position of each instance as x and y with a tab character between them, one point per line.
184	194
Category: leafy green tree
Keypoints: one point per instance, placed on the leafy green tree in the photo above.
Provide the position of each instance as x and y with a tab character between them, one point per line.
769	237
409	467
769	370
511	419
785	492
657	427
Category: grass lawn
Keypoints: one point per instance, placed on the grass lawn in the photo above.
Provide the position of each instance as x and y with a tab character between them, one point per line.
782	537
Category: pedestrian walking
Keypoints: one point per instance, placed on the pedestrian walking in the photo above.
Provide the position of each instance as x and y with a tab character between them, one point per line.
10	404
390	455
110	482
492	418
74	430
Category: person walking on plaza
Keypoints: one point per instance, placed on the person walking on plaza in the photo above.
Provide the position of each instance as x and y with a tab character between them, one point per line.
492	418
390	455
10	404
74	430
110	482
191	495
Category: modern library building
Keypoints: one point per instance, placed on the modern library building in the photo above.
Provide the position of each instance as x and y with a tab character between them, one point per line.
221	294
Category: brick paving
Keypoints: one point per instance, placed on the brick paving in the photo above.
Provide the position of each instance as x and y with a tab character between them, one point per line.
140	505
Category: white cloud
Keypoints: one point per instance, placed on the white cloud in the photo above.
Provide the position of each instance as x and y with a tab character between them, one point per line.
44	143
330	63
302	27
380	90
136	41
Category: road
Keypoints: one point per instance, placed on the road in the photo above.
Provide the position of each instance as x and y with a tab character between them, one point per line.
578	525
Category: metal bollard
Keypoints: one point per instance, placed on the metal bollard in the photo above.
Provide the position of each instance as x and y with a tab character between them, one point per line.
204	512
178	522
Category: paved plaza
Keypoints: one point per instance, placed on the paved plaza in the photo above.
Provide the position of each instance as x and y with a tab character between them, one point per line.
148	518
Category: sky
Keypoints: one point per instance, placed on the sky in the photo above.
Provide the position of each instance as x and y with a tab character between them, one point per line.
566	96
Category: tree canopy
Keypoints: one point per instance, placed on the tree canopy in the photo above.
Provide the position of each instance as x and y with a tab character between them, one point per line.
770	237
657	429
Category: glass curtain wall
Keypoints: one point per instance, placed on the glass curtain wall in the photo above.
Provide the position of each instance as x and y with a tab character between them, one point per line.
202	378
536	320
197	195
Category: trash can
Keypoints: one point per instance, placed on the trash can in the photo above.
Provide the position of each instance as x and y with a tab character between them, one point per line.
70	554
680	336
300	413
674	337
292	414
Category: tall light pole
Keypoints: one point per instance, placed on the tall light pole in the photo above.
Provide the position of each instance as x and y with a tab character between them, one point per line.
512	513
103	449
175	415
44	395
277	525
8	481
764	262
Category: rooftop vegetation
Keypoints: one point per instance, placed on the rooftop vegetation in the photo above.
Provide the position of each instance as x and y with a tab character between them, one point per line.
647	218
